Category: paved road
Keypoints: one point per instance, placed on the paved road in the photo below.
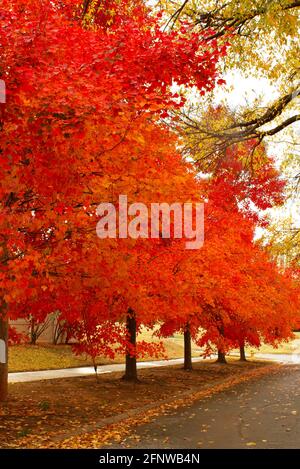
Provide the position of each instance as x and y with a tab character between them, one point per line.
263	413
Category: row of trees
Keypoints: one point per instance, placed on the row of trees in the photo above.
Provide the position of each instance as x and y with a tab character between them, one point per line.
87	118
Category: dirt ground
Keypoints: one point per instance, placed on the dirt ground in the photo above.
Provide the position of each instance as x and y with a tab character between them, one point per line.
46	413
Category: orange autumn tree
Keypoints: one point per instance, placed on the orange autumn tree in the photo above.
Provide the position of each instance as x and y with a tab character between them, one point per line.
69	79
258	309
242	297
127	279
256	302
273	314
236	303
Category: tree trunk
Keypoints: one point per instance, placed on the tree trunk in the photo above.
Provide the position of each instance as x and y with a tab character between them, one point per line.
221	357
3	359
3	338
33	335
187	349
131	369
242	353
221	354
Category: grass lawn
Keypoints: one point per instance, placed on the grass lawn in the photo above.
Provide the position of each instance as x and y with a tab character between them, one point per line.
288	348
46	357
55	413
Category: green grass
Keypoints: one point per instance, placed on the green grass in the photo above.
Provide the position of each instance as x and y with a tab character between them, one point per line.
43	357
49	357
288	348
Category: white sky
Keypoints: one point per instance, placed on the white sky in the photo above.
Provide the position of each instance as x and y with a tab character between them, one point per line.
241	91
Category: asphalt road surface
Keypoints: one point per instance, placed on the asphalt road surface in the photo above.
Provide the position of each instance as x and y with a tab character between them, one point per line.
263	413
